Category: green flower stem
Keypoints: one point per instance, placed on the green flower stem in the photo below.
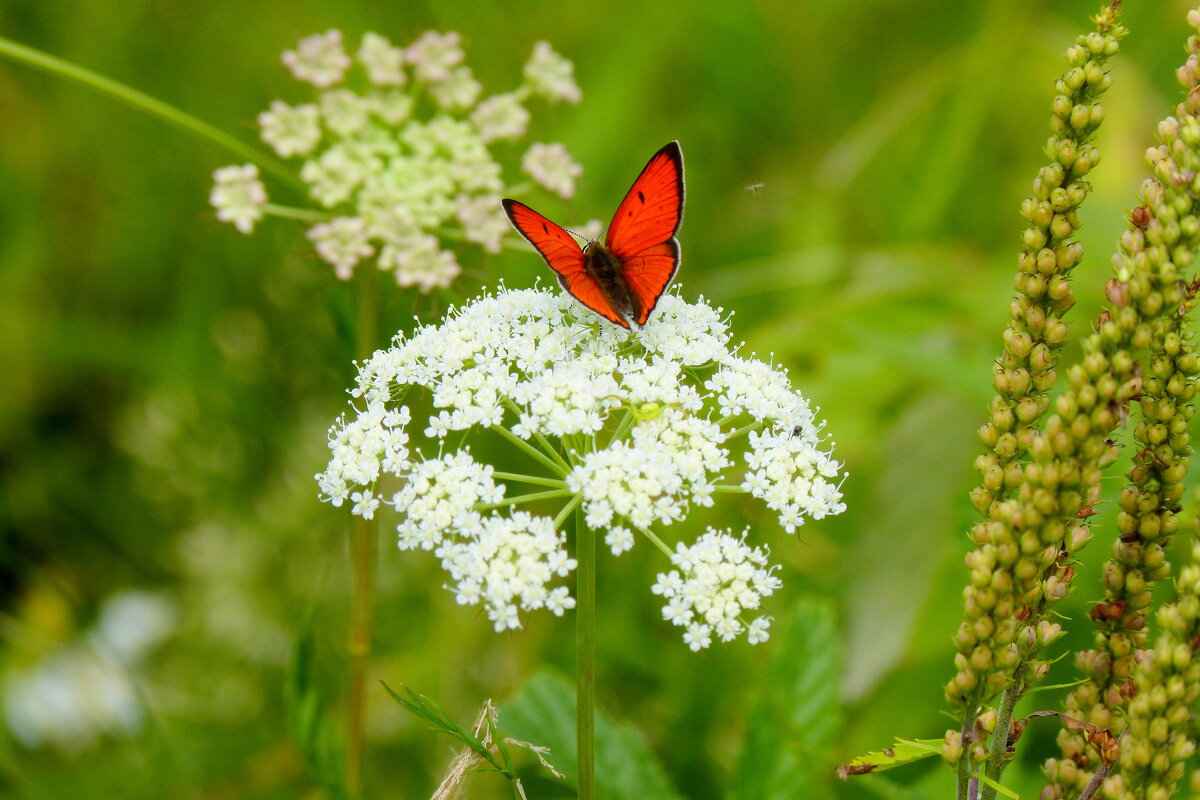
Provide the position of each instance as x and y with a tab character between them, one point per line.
742	431
535	480
531	451
363	541
722	488
585	654
659	543
566	511
302	214
623	428
153	106
524	498
998	755
552	451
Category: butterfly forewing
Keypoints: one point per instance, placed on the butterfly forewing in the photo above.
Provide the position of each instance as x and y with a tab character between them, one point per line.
564	256
652	210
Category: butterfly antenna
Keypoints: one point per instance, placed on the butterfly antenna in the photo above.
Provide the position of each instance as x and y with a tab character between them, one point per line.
578	236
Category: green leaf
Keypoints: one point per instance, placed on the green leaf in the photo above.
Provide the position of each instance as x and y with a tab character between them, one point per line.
996	785
429	710
543	711
905	751
797	718
317	736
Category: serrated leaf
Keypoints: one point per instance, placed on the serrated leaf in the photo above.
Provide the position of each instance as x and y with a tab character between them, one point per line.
543	711
796	719
905	751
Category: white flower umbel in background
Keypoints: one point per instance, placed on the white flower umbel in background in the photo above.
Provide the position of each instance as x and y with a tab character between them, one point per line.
632	431
395	143
88	688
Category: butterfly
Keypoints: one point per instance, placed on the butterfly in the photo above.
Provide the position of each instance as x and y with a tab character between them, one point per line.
622	279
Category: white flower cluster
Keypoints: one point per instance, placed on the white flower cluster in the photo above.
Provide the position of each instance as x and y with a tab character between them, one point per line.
634	428
715	580
239	196
390	185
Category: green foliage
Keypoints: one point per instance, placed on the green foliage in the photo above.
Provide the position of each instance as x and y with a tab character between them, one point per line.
905	751
543	711
795	722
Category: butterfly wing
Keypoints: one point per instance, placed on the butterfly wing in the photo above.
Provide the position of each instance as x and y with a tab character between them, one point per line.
642	232
564	255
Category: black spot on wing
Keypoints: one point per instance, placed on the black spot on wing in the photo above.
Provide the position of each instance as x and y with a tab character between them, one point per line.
544	228
642	198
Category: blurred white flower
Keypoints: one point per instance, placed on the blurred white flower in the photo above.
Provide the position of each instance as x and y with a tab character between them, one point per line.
291	130
459	91
634	429
238	196
500	116
410	181
435	54
483	219
319	60
384	63
88	689
552	166
344	112
342	242
419	261
551	75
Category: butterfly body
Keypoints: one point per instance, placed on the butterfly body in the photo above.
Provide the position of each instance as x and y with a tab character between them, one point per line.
623	278
604	267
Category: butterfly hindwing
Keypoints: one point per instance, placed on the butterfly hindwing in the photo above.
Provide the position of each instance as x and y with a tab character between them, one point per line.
648	274
563	254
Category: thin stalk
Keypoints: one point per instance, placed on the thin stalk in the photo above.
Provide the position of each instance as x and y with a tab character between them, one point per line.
302	214
552	452
151	105
535	480
743	430
363	540
998	745
530	450
657	542
525	498
566	511
585	654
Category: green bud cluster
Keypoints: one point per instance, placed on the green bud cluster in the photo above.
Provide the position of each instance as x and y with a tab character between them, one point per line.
1024	530
1162	242
1158	740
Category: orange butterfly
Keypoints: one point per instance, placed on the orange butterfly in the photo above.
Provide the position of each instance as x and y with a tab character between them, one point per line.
622	279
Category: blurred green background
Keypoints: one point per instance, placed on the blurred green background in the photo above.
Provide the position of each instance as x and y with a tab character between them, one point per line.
167	382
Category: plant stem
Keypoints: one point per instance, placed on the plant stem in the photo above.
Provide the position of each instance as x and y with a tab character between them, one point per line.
964	761
151	105
525	498
585	654
998	744
363	539
533	479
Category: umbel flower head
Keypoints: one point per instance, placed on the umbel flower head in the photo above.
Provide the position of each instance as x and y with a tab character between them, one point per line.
395	147
633	432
